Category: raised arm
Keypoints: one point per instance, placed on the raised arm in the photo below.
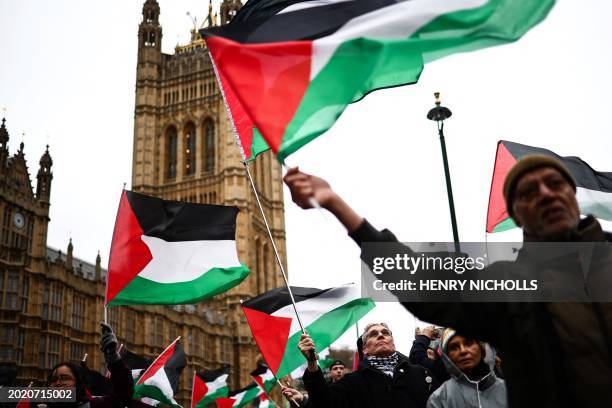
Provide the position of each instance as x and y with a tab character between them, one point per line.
305	186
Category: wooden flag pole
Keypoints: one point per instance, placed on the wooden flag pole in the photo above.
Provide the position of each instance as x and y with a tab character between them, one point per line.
284	386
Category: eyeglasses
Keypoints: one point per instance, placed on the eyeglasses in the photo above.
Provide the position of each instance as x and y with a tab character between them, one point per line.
61	378
531	190
376	333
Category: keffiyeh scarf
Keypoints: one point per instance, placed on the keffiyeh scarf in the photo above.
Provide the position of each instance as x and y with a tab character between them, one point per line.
384	364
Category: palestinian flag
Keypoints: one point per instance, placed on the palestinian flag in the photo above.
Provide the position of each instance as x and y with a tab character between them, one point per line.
593	188
135	362
161	380
324	364
326	314
295	65
249	140
208	385
264	402
171	252
241	397
264	377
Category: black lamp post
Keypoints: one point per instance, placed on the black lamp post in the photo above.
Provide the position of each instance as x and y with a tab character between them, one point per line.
439	114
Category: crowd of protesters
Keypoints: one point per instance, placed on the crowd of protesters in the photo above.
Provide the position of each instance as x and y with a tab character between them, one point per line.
555	354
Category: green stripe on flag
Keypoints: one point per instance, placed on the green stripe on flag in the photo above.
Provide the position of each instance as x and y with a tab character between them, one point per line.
209	399
505	225
362	65
258	145
324	331
141	291
151	391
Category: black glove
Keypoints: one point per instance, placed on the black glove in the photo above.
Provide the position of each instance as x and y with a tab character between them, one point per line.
108	344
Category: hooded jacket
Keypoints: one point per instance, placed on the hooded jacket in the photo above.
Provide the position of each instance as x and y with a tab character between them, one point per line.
555	354
462	392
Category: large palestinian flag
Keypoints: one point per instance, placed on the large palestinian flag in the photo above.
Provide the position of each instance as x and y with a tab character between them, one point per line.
593	188
264	377
171	252
161	380
294	66
241	397
250	141
208	385
326	315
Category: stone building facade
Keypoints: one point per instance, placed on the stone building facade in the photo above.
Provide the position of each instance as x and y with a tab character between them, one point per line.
51	303
185	149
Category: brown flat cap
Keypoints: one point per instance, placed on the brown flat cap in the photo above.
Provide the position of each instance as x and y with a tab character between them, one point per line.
527	164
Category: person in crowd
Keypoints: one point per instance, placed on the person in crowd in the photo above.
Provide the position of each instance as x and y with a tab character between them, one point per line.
336	371
555	354
68	374
422	354
295	397
386	379
473	382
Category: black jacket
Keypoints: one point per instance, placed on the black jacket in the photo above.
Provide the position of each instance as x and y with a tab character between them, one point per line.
418	355
368	387
547	362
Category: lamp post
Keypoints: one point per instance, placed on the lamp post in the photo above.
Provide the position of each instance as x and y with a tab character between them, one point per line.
439	114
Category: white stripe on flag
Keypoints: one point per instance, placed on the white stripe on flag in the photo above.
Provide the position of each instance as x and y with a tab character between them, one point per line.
312	309
595	202
219	382
187	260
398	21
160	380
308	4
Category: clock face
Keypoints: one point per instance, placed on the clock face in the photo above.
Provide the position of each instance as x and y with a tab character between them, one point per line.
18	220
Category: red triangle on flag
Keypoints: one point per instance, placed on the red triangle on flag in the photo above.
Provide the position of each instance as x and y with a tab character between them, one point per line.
198	390
271	334
129	254
272	78
497	204
225	402
159	363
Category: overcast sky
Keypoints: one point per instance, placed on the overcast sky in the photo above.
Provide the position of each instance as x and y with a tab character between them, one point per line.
67	78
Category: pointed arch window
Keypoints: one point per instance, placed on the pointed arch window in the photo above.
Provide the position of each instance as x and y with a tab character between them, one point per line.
189	153
209	146
171	149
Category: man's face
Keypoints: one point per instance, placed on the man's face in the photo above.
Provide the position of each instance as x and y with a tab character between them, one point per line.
337	372
62	377
545	204
464	353
379	342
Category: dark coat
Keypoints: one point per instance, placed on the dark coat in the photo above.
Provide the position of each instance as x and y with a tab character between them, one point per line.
555	354
368	387
418	355
121	391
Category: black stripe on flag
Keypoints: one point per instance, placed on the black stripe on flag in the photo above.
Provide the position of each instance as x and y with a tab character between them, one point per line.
276	299
248	387
260	370
175	221
211	375
584	175
259	21
174	366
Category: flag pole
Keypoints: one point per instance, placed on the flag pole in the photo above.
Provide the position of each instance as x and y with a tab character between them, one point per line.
278	260
284	386
438	114
248	172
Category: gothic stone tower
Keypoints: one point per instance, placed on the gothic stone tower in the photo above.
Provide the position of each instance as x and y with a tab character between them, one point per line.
184	149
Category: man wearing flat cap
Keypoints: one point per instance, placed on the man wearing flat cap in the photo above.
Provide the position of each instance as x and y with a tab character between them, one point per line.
555	354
